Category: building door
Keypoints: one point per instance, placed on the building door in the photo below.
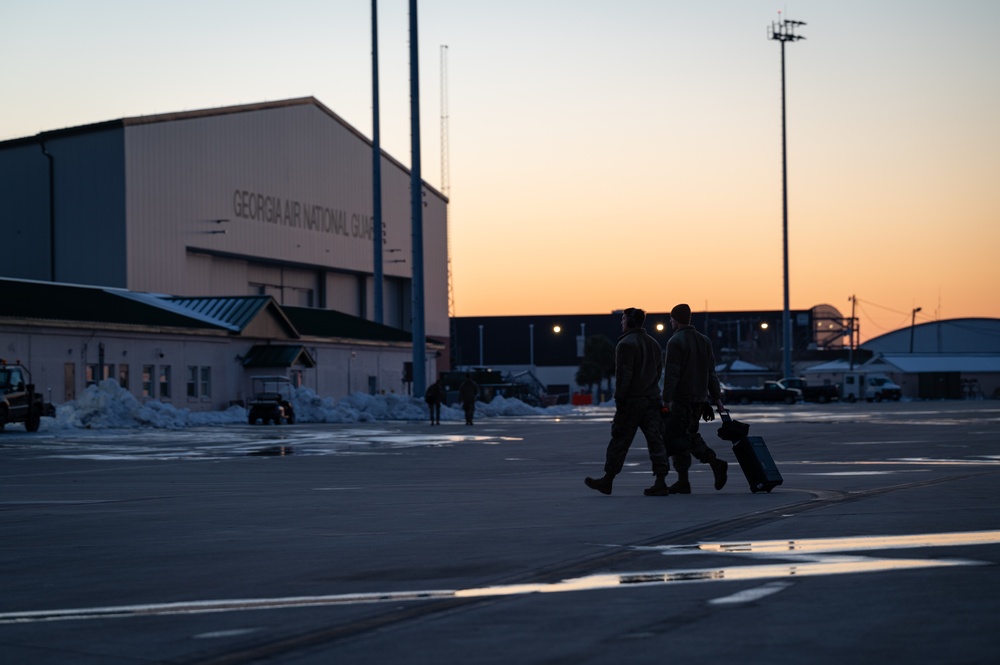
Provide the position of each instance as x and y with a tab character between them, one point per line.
69	382
940	385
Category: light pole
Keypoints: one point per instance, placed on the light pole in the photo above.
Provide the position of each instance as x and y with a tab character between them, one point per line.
350	362
417	217
913	323
531	345
481	346
376	175
784	31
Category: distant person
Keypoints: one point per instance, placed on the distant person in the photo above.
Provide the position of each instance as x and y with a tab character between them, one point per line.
689	383
468	391
638	365
434	396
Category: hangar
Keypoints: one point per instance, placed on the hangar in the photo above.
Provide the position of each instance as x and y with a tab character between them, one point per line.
944	359
272	200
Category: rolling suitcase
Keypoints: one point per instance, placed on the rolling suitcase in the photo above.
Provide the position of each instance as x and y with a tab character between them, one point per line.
752	454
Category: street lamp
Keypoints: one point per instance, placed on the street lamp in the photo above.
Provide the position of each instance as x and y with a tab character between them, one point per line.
913	323
784	31
531	345
481	364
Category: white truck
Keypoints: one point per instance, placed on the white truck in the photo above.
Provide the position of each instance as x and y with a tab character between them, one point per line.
870	387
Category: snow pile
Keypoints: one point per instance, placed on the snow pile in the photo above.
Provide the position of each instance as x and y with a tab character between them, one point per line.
109	406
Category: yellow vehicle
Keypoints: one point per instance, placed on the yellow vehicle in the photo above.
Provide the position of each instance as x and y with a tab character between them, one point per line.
19	403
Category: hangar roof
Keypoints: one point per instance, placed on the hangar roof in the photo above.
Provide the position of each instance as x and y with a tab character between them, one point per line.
136	121
971	335
932	362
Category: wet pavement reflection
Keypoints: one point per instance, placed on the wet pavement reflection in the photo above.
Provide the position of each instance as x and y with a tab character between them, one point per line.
804	554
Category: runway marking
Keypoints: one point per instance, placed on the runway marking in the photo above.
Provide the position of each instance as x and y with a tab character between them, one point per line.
750	595
236	632
804	552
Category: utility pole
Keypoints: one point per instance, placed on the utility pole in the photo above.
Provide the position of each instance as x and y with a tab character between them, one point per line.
784	31
376	173
850	354
417	215
913	323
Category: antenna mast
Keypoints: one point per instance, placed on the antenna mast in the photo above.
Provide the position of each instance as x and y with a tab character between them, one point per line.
445	184
445	175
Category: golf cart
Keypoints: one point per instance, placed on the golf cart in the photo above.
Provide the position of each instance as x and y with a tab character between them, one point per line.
271	400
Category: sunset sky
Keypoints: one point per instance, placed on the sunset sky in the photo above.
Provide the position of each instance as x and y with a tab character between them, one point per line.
607	154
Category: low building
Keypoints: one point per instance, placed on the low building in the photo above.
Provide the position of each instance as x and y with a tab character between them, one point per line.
193	352
551	347
949	359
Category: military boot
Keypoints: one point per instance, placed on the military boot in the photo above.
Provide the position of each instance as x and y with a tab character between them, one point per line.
602	485
682	486
659	487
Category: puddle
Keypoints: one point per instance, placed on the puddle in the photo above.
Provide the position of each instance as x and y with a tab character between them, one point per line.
807	550
848	544
219	445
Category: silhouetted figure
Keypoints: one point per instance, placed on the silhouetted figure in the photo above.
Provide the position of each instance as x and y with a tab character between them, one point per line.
689	381
467	393
434	396
638	365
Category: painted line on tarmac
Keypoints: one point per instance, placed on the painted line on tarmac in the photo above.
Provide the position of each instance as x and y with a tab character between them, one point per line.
750	595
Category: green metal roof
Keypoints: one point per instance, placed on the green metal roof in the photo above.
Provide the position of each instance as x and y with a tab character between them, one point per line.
28	299
278	355
235	313
331	323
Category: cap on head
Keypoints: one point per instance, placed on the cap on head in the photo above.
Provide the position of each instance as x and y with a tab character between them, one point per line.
634	317
681	314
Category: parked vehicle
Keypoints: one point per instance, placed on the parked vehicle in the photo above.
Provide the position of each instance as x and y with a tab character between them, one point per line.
271	401
812	393
19	403
870	387
771	392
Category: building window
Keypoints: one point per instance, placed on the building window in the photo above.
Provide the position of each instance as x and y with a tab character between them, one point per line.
123	376
95	376
199	382
148	372
206	381
164	381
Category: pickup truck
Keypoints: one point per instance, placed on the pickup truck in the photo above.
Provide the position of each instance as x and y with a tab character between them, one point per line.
812	393
19	402
771	391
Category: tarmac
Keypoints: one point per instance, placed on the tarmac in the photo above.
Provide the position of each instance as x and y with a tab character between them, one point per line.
405	543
